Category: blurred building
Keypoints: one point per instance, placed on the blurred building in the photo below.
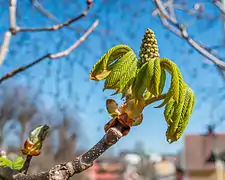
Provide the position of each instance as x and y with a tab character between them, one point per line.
107	168
203	157
165	169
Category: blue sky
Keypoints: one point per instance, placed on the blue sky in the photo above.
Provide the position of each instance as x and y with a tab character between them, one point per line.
66	80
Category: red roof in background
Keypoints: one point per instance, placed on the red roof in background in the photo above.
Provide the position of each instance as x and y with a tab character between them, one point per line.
107	176
106	170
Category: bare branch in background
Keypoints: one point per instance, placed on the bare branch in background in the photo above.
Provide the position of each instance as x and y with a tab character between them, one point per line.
12	13
46	13
51	56
14	29
5	46
180	30
58	26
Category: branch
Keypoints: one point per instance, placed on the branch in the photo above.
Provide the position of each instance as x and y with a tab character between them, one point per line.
64	171
181	31
51	56
5	46
12	13
58	26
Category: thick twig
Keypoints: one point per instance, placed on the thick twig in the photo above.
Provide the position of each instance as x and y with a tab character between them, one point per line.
65	171
51	56
12	13
181	31
26	164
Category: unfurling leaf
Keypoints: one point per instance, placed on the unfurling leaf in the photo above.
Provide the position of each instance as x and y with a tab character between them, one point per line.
156	77
162	81
33	145
129	76
118	69
141	82
18	163
176	88
178	114
101	69
143	79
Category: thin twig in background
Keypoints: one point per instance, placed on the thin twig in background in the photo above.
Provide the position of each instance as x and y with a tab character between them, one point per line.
51	56
181	31
58	26
46	13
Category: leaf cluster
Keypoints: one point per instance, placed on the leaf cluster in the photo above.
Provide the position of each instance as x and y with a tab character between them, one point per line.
144	79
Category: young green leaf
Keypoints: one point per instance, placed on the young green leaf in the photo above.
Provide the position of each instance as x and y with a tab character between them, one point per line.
18	163
176	88
143	79
168	112
156	77
186	112
181	115
128	76
101	69
176	79
162	81
118	69
5	162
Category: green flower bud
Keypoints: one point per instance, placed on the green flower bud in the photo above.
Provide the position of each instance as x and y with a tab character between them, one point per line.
149	48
